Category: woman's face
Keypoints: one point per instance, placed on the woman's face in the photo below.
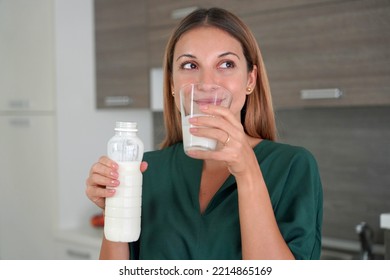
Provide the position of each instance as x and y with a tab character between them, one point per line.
210	55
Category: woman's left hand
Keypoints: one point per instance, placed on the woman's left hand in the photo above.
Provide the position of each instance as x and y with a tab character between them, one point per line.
234	146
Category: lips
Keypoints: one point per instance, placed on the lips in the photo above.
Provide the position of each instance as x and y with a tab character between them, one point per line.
207	101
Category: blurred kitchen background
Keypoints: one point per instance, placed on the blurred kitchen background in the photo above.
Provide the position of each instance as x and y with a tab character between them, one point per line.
70	68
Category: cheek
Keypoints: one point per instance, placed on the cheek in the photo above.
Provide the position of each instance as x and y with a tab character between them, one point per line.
239	97
238	102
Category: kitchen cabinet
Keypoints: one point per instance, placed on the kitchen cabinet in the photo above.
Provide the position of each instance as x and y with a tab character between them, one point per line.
27	186
71	251
25	76
28	170
163	18
121	54
79	244
306	45
385	226
338	44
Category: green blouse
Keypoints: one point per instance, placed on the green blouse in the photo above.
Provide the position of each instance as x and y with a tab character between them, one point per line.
173	227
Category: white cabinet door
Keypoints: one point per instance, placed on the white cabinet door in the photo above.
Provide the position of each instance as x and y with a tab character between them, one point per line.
27	187
26	55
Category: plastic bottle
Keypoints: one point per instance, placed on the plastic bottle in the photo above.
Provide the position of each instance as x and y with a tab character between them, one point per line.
122	220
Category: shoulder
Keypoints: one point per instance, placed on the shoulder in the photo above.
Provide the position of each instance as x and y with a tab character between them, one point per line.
281	152
287	166
293	181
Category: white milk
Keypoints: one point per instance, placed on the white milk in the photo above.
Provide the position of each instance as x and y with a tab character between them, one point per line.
122	220
192	142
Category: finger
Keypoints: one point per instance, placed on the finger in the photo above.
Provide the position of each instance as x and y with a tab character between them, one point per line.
212	133
217	128
98	195
144	166
94	192
104	170
220	111
102	181
108	162
209	155
219	123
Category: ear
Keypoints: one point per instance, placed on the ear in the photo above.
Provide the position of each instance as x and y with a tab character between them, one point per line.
172	85
172	89
252	78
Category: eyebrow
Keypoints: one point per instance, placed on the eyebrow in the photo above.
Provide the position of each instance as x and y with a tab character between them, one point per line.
186	55
219	56
228	53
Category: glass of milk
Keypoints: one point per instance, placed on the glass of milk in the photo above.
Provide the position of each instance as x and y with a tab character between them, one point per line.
191	97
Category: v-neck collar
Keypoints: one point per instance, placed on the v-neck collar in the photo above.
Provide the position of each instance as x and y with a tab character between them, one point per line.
192	174
192	169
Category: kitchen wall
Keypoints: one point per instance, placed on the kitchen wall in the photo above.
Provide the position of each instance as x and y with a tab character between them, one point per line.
351	145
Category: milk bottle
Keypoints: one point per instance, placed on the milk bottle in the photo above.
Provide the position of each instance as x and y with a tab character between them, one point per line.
122	220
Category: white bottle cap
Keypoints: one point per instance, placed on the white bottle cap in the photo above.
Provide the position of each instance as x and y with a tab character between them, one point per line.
126	126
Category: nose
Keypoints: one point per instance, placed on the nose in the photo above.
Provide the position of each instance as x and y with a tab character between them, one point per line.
207	77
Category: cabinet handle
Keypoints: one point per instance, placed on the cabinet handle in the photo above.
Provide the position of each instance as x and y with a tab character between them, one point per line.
20	122
78	254
19	104
113	101
328	93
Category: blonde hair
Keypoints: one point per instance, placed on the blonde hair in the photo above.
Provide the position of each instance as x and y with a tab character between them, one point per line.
257	115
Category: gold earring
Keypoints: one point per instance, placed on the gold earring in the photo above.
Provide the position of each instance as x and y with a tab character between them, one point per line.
173	93
249	89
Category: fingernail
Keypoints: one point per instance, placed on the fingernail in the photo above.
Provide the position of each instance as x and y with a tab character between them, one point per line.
203	107
114	174
111	190
114	182
191	153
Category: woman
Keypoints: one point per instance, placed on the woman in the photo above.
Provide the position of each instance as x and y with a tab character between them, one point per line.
252	198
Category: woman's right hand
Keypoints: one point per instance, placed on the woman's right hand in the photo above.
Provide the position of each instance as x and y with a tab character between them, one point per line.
104	174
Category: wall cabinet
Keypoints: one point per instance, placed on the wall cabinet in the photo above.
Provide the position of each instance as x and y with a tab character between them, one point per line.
121	54
306	45
26	78
161	18
340	44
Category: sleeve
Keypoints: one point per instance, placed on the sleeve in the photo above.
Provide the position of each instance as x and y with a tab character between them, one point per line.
299	211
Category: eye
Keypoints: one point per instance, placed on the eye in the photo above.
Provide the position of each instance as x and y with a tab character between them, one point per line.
227	64
188	65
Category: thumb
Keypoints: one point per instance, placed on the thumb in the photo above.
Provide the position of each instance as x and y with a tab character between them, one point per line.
144	166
